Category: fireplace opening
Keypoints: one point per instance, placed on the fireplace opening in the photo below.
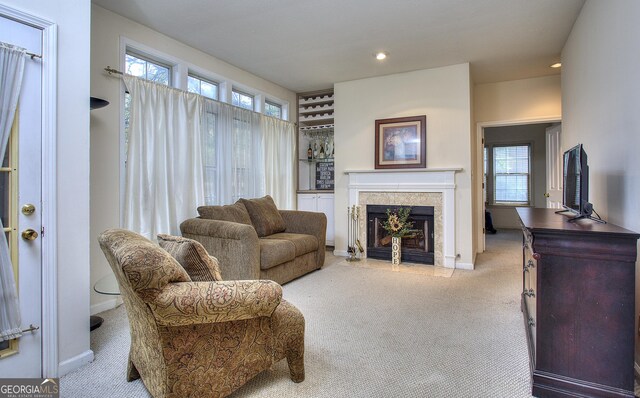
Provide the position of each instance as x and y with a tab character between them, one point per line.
417	247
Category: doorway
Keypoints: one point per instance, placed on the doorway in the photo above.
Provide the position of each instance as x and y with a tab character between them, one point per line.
520	166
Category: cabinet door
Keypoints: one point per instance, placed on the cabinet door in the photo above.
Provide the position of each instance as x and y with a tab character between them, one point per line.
325	205
307	202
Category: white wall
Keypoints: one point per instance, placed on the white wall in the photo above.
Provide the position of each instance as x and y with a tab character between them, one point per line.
521	100
73	20
600	97
510	102
106	30
533	134
443	94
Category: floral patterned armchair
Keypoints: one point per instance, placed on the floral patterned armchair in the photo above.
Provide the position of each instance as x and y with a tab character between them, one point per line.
195	338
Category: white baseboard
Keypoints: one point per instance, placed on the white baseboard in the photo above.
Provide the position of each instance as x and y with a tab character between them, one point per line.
74	363
105	305
467	266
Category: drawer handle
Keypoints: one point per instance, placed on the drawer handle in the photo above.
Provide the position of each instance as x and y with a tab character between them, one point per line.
531	322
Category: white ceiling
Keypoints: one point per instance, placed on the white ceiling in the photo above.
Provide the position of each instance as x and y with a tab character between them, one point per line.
306	45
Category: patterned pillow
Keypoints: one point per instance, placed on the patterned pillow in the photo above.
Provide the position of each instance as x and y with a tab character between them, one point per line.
193	257
234	213
265	217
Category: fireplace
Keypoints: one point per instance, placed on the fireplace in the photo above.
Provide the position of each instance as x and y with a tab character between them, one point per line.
417	247
417	187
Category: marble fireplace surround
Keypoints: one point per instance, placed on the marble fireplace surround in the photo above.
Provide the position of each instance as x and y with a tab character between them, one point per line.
410	187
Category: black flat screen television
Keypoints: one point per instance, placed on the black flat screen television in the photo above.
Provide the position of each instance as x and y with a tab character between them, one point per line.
576	181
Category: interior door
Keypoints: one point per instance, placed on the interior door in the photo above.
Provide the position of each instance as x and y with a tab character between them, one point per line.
20	204
554	167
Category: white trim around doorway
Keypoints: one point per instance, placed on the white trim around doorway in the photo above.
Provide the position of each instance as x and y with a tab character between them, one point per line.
479	199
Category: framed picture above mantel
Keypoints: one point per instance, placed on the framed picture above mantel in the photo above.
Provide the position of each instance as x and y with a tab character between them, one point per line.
401	142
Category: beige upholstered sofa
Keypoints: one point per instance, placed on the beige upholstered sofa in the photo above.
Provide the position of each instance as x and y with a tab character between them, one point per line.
254	240
192	335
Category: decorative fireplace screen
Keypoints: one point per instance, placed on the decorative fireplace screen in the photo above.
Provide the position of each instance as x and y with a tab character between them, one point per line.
417	247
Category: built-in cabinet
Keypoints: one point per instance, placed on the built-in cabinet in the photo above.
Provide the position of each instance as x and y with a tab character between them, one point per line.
315	141
322	203
578	298
316	155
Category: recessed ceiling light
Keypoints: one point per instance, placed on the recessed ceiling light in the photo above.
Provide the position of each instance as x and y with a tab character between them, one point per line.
556	65
380	56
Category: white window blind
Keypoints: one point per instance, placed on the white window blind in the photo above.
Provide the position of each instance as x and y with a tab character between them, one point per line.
511	166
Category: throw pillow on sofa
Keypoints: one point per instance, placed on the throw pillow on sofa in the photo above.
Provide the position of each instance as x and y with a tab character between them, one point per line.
264	214
192	256
234	213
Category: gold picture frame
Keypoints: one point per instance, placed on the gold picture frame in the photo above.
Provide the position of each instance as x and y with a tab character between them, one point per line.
401	142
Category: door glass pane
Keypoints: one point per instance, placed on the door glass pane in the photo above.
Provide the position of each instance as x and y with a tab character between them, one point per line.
5	161
4	198
5	186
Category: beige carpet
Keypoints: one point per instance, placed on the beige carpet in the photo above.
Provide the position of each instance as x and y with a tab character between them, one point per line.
372	332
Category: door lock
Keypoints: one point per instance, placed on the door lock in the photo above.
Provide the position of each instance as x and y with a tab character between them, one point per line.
29	234
28	209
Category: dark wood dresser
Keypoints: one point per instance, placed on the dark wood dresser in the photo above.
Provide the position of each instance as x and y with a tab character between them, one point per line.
578	298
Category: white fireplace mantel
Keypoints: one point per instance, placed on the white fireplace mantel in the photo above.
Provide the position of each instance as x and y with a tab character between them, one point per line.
437	180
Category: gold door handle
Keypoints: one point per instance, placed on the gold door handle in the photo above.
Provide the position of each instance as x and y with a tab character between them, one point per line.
28	209
546	195
29	234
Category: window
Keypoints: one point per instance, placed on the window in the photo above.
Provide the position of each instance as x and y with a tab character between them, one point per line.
209	159
511	174
243	100
273	109
231	151
135	65
203	87
141	67
484	174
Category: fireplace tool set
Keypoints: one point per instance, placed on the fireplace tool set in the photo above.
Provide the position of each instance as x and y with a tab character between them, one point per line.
354	248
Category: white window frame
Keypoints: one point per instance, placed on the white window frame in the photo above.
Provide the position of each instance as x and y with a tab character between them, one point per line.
247	94
268	101
491	152
204	79
153	60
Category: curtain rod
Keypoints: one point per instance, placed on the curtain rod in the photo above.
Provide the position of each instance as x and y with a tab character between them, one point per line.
110	70
32	55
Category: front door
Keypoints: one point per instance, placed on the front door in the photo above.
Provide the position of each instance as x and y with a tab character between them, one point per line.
20	191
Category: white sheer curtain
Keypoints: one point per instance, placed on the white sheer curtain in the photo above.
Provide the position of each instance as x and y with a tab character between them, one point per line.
279	161
233	153
12	61
164	177
185	151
